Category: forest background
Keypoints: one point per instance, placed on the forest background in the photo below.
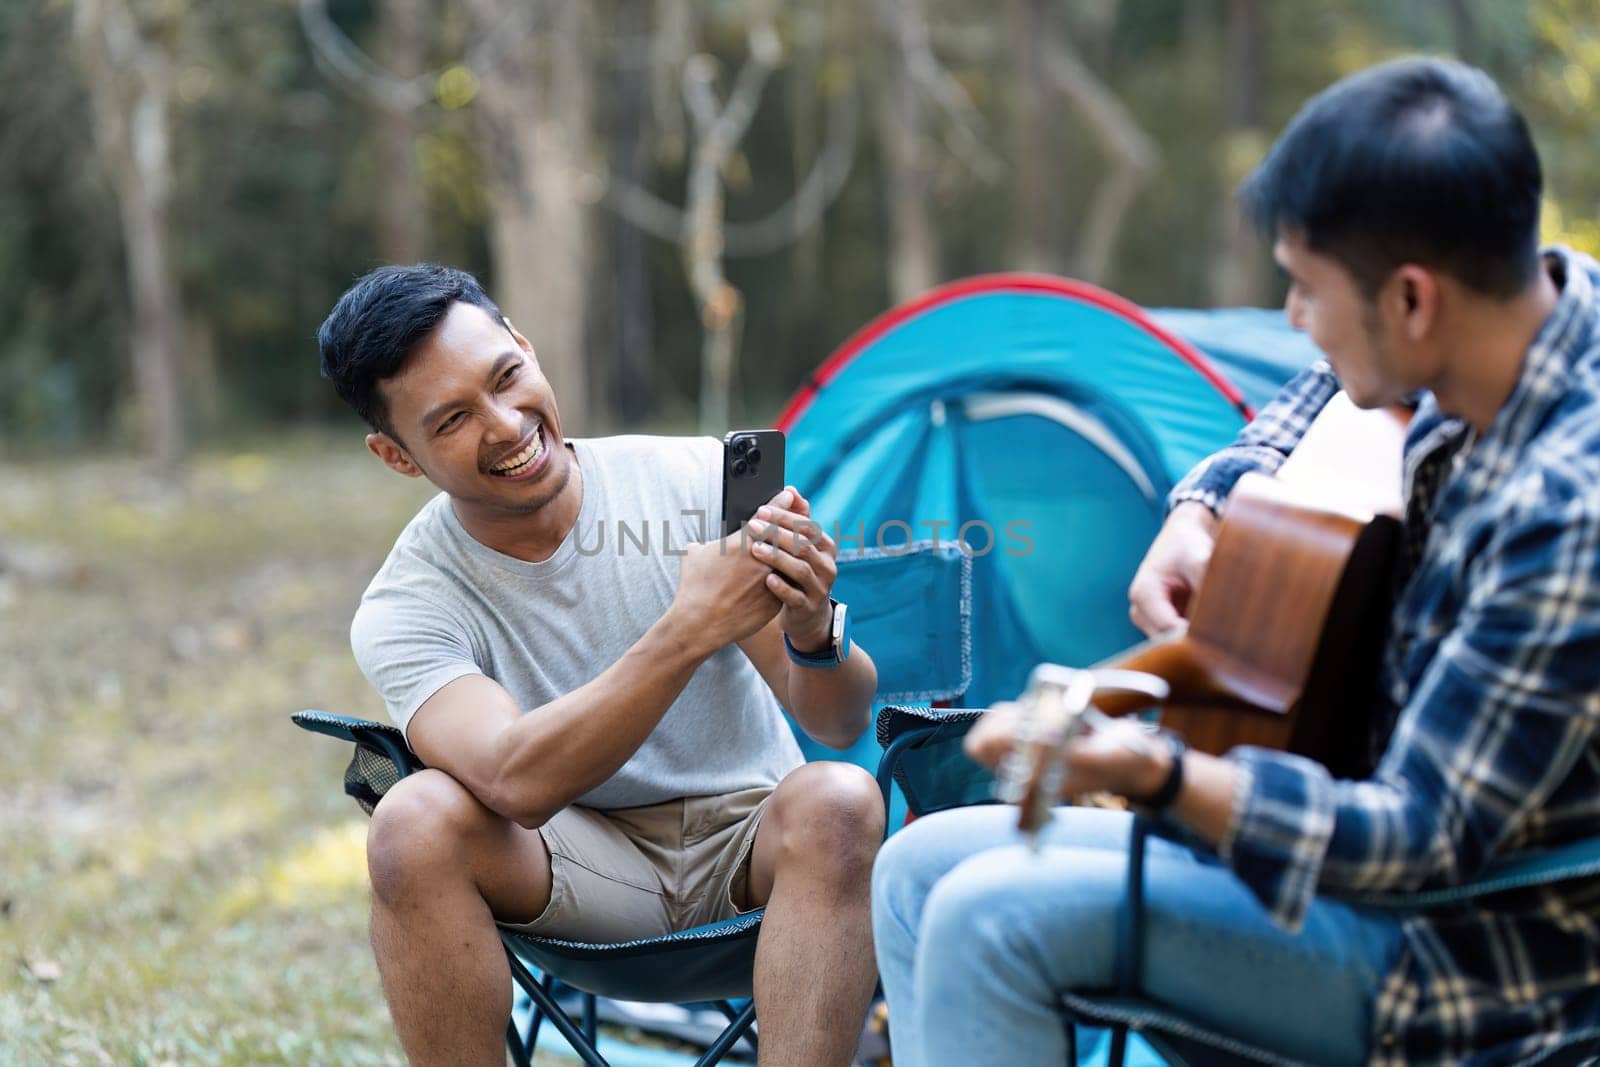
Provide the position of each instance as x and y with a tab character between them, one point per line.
685	205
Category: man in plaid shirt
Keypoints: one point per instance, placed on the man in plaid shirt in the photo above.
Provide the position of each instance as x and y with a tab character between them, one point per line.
1405	204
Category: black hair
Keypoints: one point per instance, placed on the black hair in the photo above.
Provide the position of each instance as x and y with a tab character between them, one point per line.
378	321
1413	161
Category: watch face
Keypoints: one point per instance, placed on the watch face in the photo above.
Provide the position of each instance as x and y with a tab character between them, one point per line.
841	637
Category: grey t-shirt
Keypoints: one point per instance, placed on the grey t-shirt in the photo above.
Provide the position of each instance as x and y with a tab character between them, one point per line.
444	606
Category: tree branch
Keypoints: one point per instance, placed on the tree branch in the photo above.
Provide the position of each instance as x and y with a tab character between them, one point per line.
815	194
908	27
765	54
1134	156
339	57
1113	123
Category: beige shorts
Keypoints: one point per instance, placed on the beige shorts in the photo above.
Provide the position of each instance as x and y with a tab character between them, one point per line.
642	872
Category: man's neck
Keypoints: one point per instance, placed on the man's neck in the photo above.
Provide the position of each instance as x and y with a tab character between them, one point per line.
531	536
1491	340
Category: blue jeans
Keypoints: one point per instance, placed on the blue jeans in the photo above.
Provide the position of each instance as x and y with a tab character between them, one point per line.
977	937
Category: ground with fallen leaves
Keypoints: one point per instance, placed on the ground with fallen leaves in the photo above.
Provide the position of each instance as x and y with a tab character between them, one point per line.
181	879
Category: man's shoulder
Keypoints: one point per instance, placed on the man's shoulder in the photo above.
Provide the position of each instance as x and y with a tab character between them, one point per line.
654	451
419	561
1562	463
649	471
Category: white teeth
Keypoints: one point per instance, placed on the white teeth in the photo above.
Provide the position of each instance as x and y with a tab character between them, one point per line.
521	460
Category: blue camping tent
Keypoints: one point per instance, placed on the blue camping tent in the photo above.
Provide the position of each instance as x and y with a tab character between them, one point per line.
1254	348
1040	420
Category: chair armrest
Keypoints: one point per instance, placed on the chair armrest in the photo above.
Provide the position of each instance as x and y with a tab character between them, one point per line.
344	727
923	755
897	719
1580	859
381	737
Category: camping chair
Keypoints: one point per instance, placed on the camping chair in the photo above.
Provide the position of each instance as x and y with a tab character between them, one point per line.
910	605
712	963
923	755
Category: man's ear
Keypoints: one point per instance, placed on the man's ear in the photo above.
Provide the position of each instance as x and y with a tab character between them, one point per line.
1413	300
522	342
393	454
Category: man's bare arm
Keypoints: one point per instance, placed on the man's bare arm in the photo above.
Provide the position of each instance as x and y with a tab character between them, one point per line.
831	706
529	766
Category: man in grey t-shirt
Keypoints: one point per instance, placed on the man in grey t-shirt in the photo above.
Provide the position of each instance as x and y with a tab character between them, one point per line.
596	690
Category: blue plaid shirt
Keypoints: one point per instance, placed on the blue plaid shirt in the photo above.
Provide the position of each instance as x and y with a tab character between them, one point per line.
1493	671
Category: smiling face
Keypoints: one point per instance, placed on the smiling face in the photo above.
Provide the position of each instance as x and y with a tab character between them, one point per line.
1369	342
472	413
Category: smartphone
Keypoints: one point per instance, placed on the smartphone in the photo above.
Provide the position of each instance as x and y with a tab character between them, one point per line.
752	474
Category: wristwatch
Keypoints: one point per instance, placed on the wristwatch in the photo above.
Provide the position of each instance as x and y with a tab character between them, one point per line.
836	651
1162	798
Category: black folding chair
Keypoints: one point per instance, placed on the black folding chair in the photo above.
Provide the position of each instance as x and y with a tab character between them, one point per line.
712	964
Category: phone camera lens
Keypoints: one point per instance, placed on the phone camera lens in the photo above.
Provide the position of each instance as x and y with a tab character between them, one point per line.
741	445
754	455
739	468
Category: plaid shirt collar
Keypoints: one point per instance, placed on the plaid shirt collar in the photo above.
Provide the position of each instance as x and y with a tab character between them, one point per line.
1545	377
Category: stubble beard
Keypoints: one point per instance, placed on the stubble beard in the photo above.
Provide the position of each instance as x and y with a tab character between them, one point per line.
544	500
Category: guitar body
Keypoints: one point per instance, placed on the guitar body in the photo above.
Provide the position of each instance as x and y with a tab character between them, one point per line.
1286	632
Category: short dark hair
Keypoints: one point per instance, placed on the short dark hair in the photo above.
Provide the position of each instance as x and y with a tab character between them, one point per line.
378	321
1413	161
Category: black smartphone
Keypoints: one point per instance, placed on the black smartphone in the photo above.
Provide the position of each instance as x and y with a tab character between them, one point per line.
752	474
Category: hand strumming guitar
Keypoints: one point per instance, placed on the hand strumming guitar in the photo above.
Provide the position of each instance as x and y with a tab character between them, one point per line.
1158	597
1110	757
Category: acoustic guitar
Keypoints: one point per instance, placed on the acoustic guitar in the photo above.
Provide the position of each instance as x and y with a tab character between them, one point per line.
1285	633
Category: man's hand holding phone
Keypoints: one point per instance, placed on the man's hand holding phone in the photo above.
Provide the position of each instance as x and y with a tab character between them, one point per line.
723	592
803	561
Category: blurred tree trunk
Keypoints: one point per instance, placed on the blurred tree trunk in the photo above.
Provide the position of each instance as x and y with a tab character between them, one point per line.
1131	155
1464	32
402	208
700	228
1240	277
634	319
671	45
534	110
1092	25
913	254
130	80
805	72
719	126
202	380
1035	230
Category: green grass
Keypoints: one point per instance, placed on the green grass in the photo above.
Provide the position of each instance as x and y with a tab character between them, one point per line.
181	879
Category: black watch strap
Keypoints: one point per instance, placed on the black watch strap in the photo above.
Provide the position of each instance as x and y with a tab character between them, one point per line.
1162	798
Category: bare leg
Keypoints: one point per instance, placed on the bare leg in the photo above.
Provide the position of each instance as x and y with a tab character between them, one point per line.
443	866
811	866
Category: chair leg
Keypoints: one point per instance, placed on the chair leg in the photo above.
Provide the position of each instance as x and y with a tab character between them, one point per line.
591	1021
732	1014
1119	1046
559	1019
519	1051
536	1018
1130	937
729	1037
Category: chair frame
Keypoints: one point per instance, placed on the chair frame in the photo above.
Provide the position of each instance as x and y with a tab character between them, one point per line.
584	1038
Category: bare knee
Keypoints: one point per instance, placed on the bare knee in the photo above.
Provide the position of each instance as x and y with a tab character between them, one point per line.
420	834
830	814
